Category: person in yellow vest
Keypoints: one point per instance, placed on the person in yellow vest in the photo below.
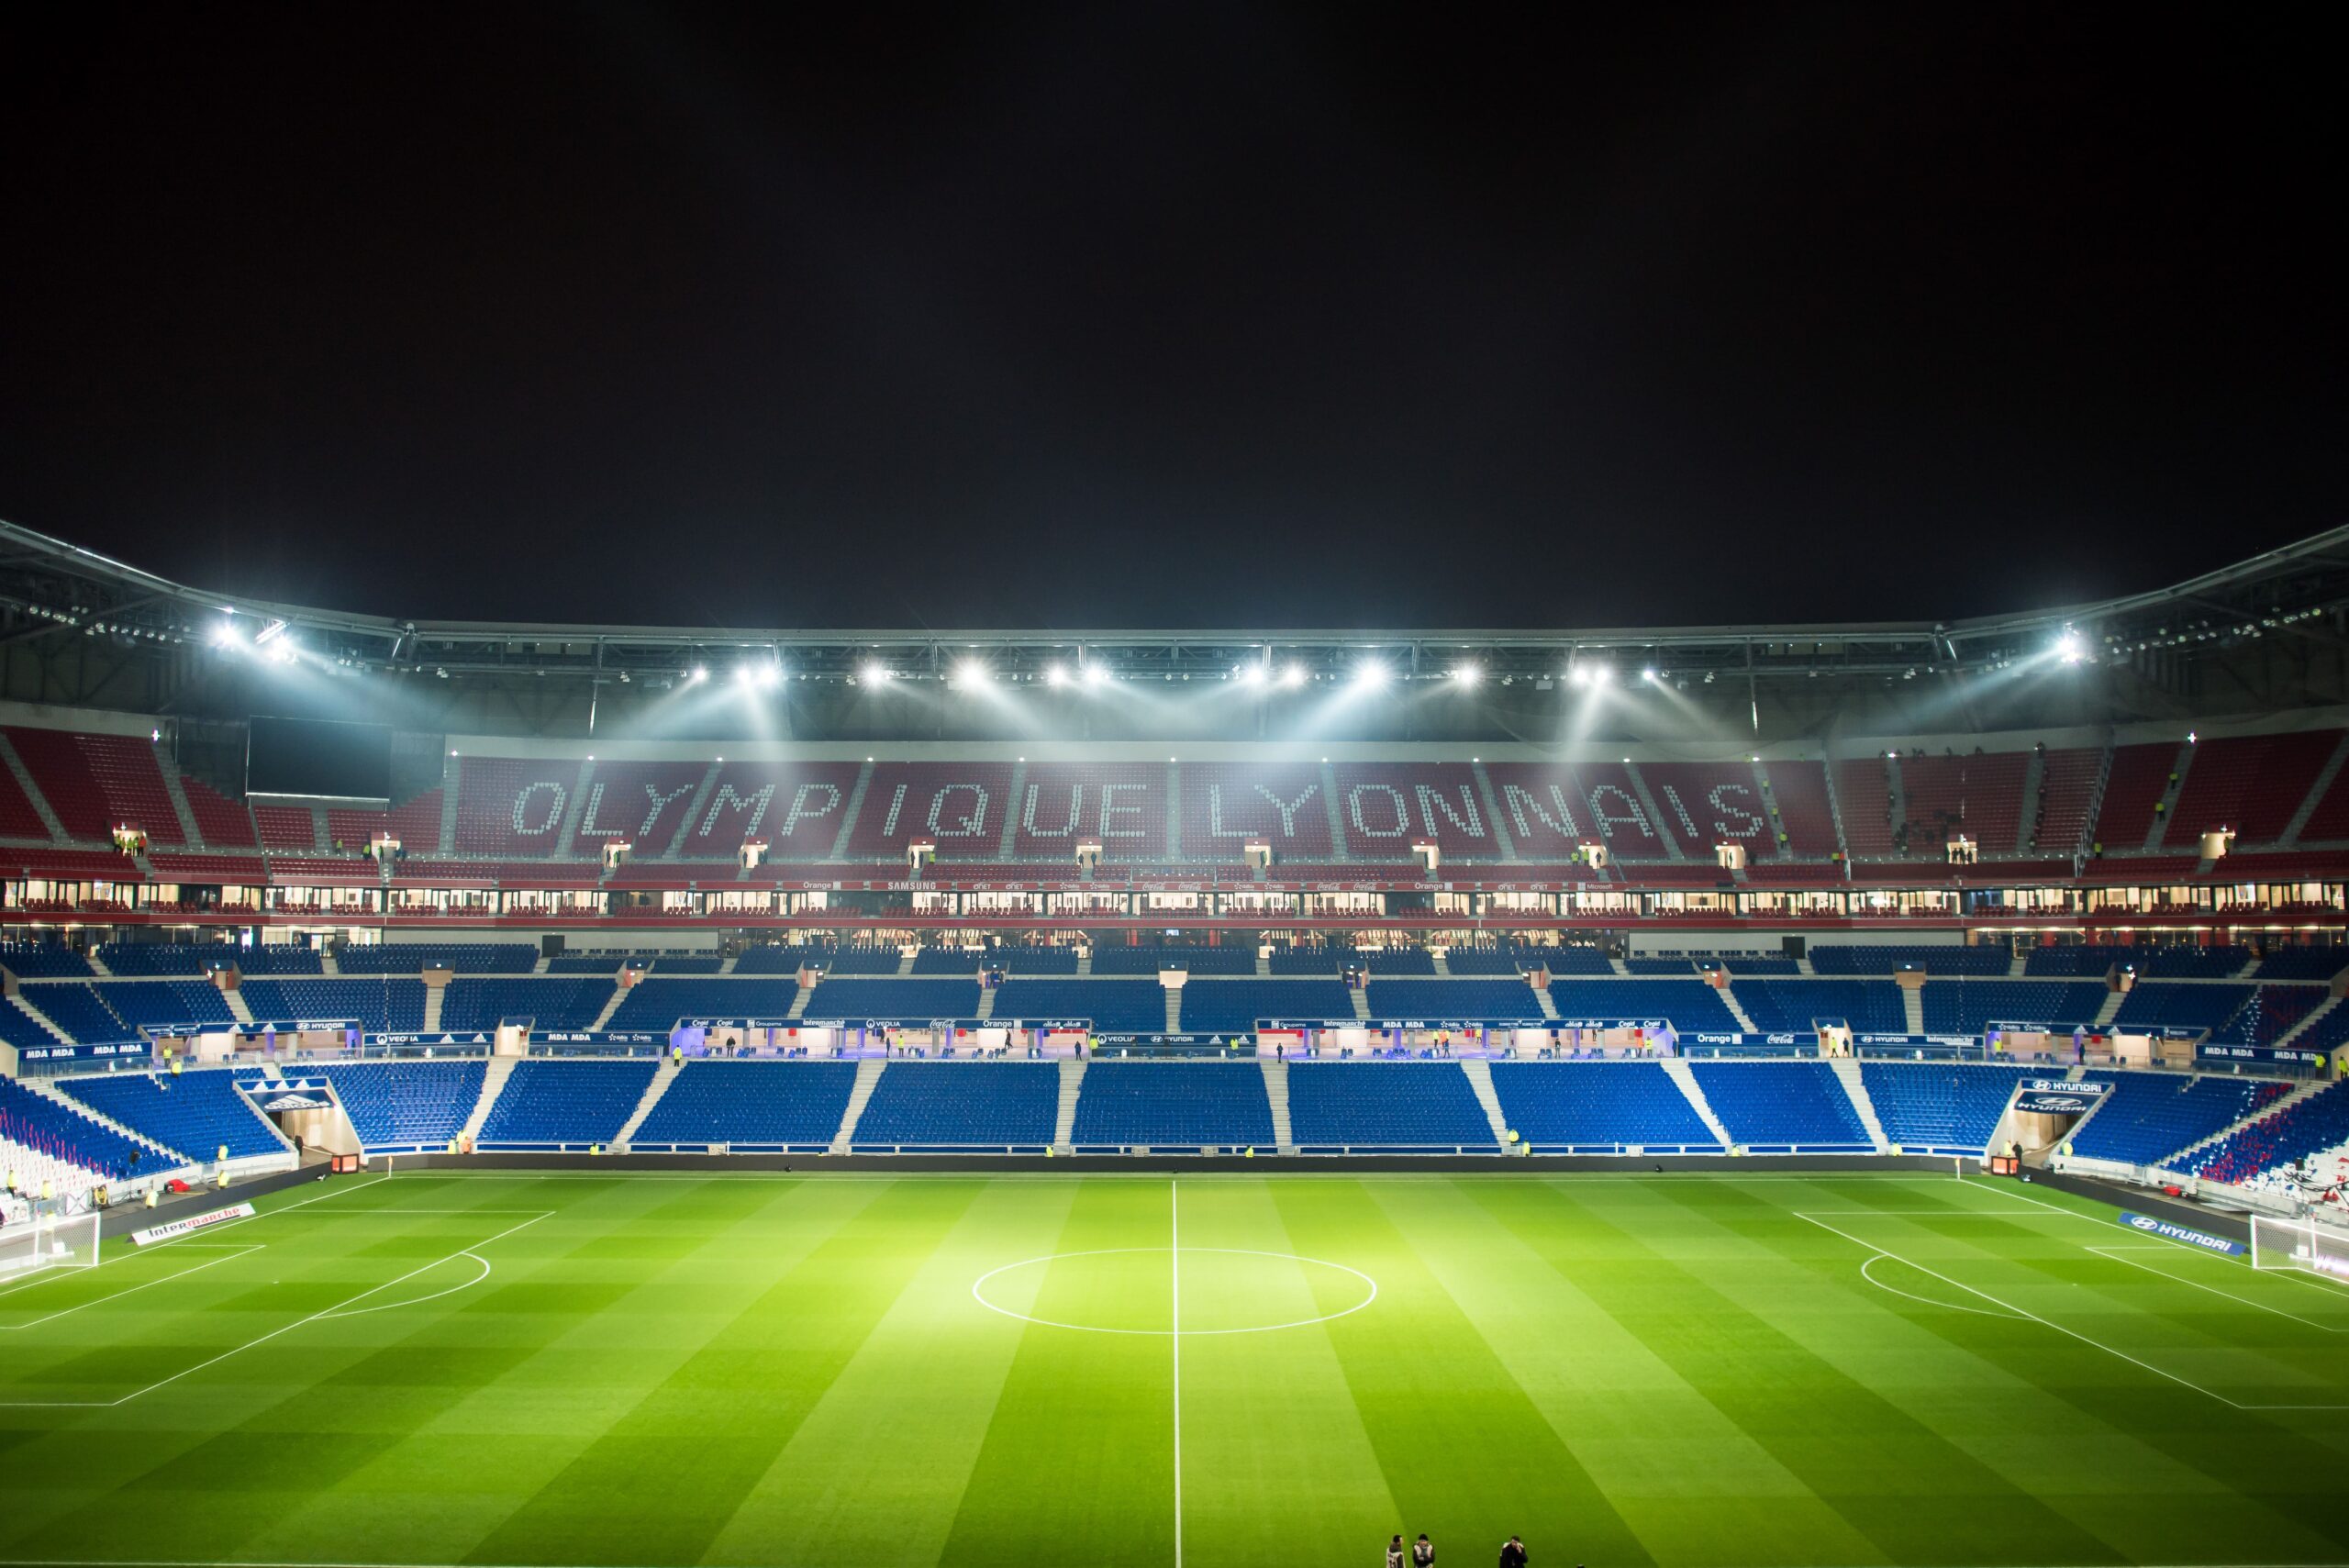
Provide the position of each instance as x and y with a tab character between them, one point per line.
151	1197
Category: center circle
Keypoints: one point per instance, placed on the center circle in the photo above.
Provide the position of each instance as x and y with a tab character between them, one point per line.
1140	1290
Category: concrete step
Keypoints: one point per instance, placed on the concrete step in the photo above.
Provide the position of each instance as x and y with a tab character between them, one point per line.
1480	1078
492	1083
988	994
603	1019
1275	1073
238	1009
1912	1008
868	1072
43	1019
1847	1073
1737	1011
178	796
1065	1117
1677	1070
663	1076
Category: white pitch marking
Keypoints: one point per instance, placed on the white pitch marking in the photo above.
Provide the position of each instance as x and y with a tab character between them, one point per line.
1174	1260
420	1300
233	1253
1927	1300
2114	1253
980	1296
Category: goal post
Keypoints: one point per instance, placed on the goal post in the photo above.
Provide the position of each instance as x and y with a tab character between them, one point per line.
48	1242
2300	1245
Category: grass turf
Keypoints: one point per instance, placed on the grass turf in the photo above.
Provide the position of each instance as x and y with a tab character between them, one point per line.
753	1370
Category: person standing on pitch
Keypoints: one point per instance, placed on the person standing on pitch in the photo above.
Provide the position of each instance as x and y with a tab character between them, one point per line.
1512	1553
1423	1552
1395	1552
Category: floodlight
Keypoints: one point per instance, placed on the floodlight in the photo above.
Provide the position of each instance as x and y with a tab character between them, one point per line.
1293	676
2071	647
1648	673
1095	674
699	673
875	672
1467	674
1055	676
1251	673
1370	673
770	674
969	673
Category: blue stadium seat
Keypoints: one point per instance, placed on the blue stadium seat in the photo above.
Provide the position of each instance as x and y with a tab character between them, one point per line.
376	1004
43	961
1783	1107
1108	959
1969	1006
1870	958
1467	1001
2147	1117
75	1008
1172	1104
1407	1107
967	1106
1232	1006
1940	1107
414	958
195	1113
1115	1006
1870	1006
853	997
1597	1107
751	1107
565	1103
1500	962
49	1128
2152	1005
473	1002
401	1107
154	1002
1687	1004
655	1004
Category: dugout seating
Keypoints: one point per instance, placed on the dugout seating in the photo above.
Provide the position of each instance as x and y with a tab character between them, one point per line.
980	1108
1464	1001
1166	1104
561	1105
401	1107
376	1004
1940	1107
1396	1106
1783	1107
656	1003
2146	1117
195	1114
47	1126
750	1106
2308	1128
1232	1006
1115	1006
1599	1107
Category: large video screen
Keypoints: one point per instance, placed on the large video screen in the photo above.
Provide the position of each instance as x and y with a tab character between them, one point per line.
319	758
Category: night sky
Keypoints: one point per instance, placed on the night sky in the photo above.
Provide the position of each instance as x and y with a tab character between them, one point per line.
1171	316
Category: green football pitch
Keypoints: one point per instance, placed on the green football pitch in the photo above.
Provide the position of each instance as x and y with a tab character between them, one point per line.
651	1369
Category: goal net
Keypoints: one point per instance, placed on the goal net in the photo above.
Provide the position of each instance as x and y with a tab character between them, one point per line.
48	1242
2300	1244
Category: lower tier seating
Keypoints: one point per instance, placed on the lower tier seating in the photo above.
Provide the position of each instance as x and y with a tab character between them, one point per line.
2301	1130
62	1133
2146	1118
559	1104
401	1107
751	1107
1411	1106
1203	1105
1933	1107
980	1108
195	1113
1599	1108
1782	1106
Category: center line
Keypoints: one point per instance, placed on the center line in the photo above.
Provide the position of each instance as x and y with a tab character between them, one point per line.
1175	1253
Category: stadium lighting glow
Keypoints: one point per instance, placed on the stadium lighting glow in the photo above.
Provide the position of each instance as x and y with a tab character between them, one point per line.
876	674
770	674
1293	676
1648	673
970	674
2071	647
225	635
1467	674
1055	676
1095	675
1370	673
1251	674
699	673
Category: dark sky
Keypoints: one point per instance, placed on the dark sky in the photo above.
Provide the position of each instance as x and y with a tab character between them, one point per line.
1171	316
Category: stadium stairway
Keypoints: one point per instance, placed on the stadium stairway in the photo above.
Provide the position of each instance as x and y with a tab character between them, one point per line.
2328	1004
2034	780
798	1008
1275	1072
492	1083
1360	997
988	994
1912	1008
2104	1014
40	802
1174	1009
98	965
2168	802
1847	1073
2317	792
1064	1118
178	797
172	1157
568	834
1676	1069
663	1076
726	966
1549	1009
906	963
868	1073
434	995
1480	1078
603	1020
1736	1009
238	1009
849	813
24	1007
329	967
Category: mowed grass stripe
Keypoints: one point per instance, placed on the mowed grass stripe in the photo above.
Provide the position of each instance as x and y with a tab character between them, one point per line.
1466	1454
910	1410
1077	1463
661	1477
1713	1310
1673	1465
1270	1427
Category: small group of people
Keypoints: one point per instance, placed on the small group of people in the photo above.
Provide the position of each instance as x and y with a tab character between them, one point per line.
1422	1552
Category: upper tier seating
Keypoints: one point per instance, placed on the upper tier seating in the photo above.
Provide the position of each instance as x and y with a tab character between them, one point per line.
2272	1014
656	1003
373	1004
1772	1107
1552	811
1970	1006
1707	804
1482	960
151	1003
415	822
1196	1104
20	819
751	1107
1115	1006
2311	963
1108	959
43	961
2074	960
960	806
796	807
2252	784
1978	796
2146	1117
1225	805
195	1113
556	1001
2178	961
2153	1006
977	1106
1465	1001
1805	815
222	823
49	1128
1828	958
2305	1127
1597	1107
1864	793
769	959
1689	1006
1332	957
79	1011
565	1103
1934	1107
400	1107
1121	805
2139	780
852	1000
97	782
1407	1106
1387	806
2066	791
1232	1006
1869	1006
1742	966
642	803
294	828
510	807
414	958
